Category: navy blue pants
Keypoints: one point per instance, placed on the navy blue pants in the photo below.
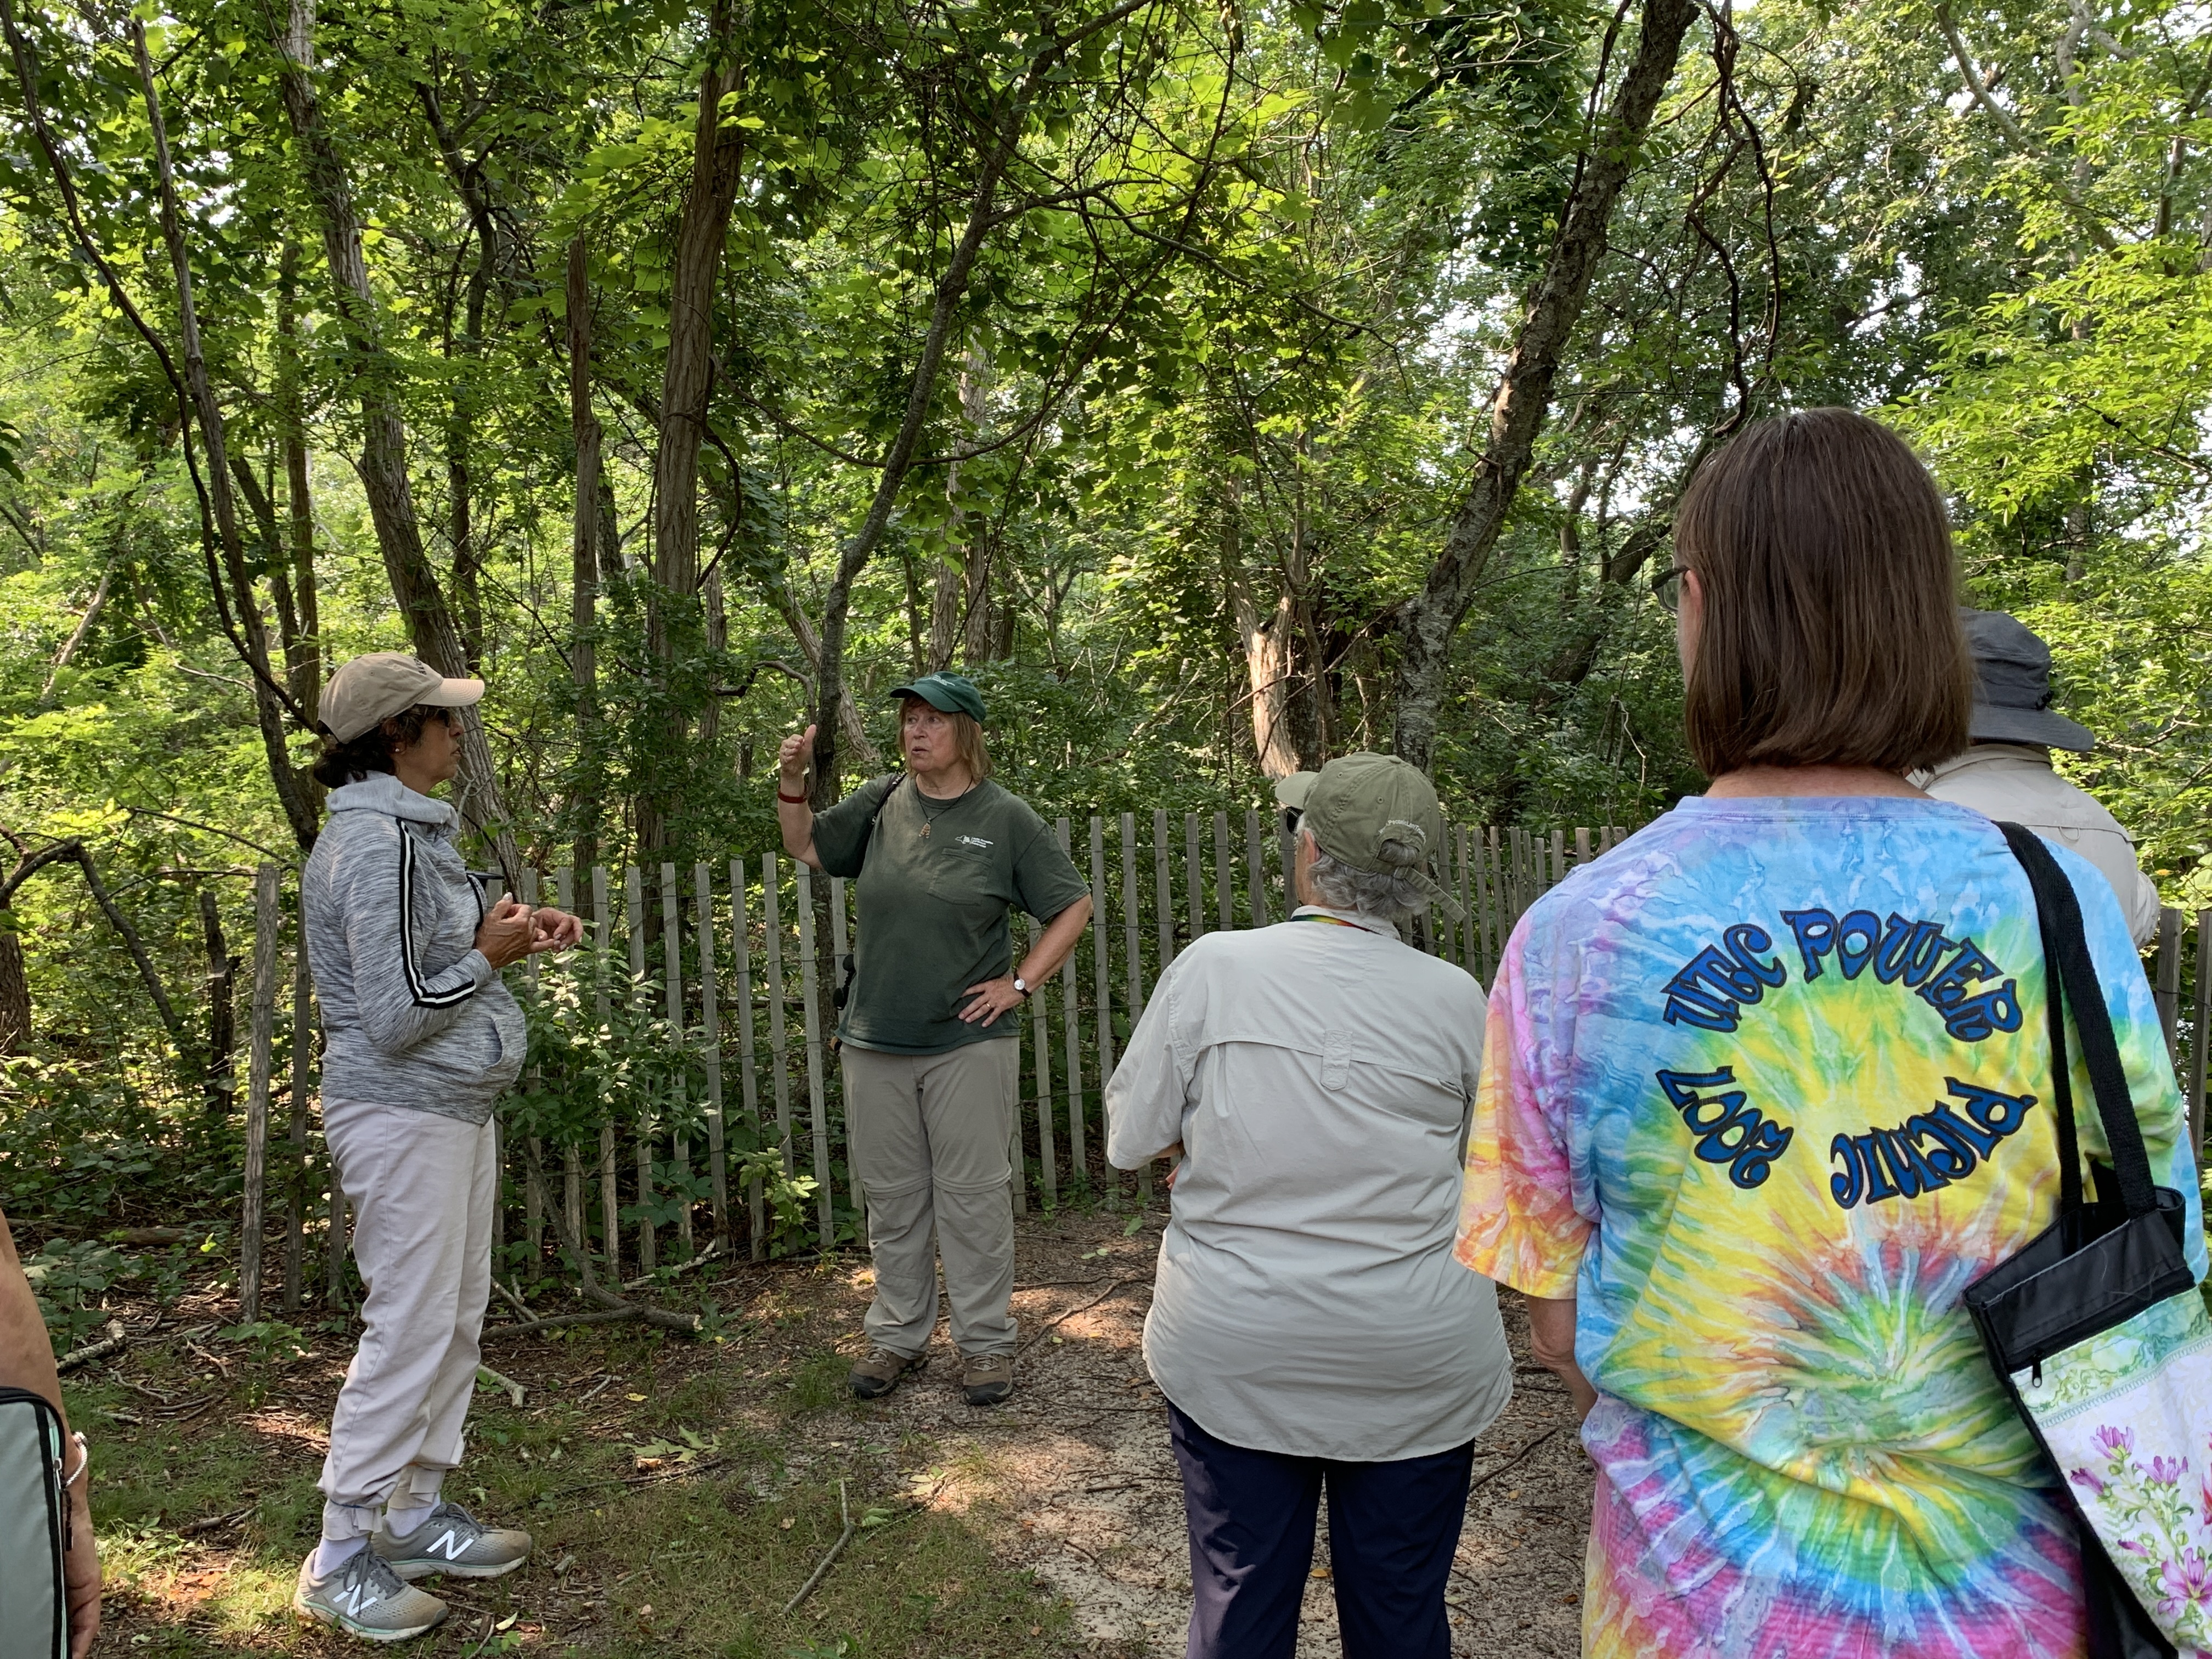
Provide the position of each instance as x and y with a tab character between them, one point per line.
1392	1530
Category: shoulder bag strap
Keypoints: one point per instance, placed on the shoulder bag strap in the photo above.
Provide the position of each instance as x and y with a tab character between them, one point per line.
2067	962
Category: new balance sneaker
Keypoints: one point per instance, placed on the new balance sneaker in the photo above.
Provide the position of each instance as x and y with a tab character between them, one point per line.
453	1542
366	1598
987	1379
876	1375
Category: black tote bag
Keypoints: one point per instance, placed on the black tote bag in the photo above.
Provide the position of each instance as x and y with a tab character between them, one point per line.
2095	1326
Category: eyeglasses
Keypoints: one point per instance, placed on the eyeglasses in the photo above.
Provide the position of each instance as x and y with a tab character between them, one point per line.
1290	816
1667	587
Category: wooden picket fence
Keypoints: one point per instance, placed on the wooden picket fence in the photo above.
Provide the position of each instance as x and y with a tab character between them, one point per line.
737	956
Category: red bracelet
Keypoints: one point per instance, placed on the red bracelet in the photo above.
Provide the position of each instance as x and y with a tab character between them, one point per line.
791	800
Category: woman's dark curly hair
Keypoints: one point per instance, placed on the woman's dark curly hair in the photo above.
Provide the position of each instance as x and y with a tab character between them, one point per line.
352	760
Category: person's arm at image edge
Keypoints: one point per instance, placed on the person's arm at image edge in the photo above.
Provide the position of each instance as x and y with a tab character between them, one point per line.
1517	1225
26	1362
1147	1095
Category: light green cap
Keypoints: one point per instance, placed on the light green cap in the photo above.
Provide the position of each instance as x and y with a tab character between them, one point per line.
1357	805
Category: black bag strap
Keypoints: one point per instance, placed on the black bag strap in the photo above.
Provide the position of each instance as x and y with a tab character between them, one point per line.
2067	963
887	785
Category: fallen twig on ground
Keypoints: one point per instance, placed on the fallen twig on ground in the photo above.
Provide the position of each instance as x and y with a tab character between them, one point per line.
835	1550
113	1342
593	1290
653	1277
1488	1475
485	1374
604	1316
1118	1284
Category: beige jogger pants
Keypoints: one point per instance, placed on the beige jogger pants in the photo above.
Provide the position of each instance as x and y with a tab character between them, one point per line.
423	1189
929	1136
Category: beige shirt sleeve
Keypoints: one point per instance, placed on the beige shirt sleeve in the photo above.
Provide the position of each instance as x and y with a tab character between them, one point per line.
2015	784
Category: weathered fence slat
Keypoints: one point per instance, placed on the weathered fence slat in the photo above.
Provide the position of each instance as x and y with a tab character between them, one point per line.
1048	1149
610	1188
1193	876
817	1104
778	1041
671	951
572	1155
1102	1007
741	956
1256	861
1072	1030
1163	896
258	1067
648	1238
1131	919
710	1027
2167	987
1225	882
303	1050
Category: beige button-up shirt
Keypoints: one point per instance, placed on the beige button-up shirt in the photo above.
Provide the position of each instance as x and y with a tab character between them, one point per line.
2013	782
1319	1079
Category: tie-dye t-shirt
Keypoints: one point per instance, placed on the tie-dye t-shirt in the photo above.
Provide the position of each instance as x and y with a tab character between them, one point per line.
1765	1088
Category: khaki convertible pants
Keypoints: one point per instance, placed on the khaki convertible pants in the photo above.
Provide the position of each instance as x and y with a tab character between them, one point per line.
929	1135
423	1189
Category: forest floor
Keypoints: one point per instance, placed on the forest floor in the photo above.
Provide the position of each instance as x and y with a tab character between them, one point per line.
681	1491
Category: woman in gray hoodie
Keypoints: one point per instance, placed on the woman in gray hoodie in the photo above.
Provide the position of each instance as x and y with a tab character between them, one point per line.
421	1037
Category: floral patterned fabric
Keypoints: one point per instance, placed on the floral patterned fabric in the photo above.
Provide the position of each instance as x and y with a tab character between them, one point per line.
2128	1414
1765	1089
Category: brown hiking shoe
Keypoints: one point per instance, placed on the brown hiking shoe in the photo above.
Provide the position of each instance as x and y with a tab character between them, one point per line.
879	1372
987	1379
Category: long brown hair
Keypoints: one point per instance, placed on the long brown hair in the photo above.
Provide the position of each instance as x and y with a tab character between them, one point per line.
1830	628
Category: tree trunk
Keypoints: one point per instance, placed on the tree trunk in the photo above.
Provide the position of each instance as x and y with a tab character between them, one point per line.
829	694
960	618
14	987
583	554
687	378
269	712
304	657
376	376
1427	621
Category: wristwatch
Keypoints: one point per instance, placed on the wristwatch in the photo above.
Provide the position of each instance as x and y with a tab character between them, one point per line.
1022	986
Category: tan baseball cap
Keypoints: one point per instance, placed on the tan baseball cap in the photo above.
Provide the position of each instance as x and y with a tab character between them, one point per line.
371	689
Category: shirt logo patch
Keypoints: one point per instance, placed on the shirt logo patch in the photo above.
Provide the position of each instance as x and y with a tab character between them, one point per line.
974	840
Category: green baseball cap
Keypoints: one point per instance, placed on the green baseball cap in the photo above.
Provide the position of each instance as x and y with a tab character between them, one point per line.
1357	805
949	694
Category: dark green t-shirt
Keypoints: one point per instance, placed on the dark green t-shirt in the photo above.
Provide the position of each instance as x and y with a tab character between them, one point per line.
933	907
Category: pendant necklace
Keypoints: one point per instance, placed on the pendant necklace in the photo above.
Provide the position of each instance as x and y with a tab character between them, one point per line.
929	817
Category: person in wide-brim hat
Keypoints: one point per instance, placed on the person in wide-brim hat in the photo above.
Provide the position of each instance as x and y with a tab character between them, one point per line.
928	1037
2006	772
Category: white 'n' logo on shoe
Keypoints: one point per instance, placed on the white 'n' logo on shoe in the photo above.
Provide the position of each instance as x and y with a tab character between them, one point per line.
452	1544
351	1602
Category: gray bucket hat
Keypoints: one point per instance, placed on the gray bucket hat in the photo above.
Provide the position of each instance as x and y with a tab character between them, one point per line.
2012	685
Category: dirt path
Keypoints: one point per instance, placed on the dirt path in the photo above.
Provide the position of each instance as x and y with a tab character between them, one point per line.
1081	1472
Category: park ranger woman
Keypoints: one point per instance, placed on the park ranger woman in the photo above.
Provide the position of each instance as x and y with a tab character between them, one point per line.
930	1056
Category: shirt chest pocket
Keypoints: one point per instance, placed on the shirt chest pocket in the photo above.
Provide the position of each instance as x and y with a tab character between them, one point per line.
967	869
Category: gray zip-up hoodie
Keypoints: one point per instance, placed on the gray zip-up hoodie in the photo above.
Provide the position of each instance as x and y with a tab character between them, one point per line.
413	1014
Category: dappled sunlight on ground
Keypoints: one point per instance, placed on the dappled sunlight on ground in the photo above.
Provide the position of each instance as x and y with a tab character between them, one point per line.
681	1492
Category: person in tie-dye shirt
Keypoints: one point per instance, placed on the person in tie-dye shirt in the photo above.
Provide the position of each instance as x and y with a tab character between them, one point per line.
1767	1086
